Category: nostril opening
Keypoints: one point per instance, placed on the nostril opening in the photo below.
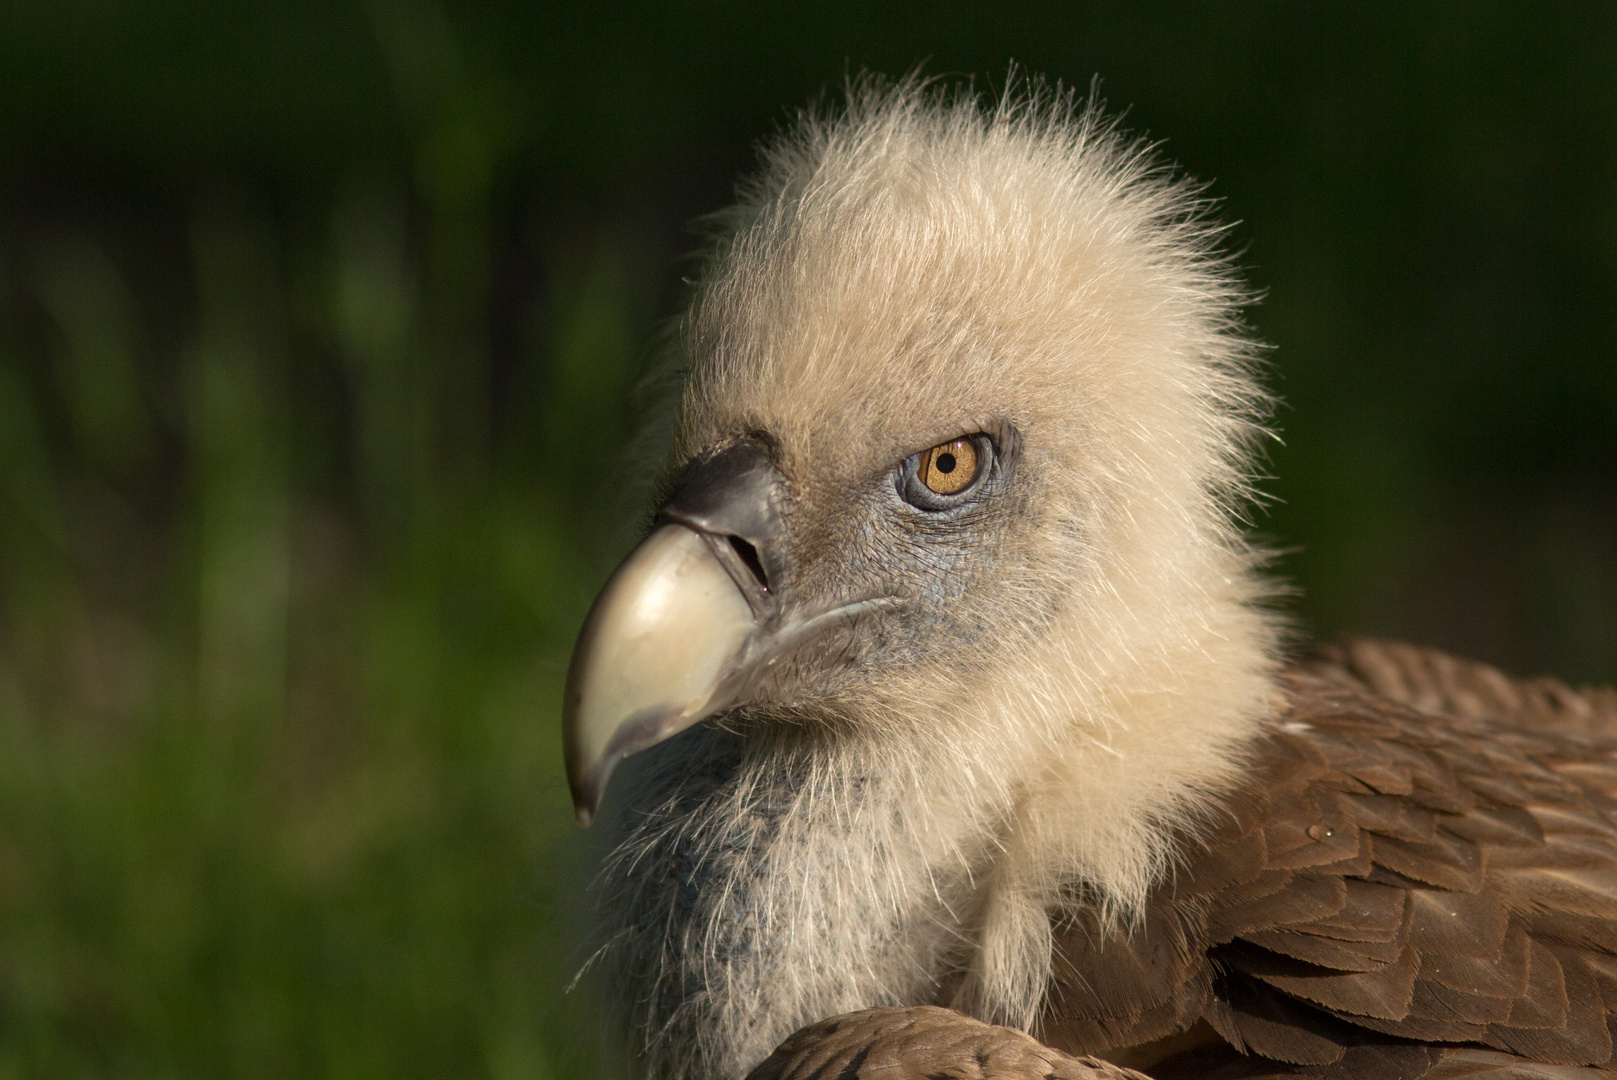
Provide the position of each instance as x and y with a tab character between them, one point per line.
749	555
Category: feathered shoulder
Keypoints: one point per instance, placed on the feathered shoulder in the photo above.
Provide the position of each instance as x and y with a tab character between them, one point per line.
1430	864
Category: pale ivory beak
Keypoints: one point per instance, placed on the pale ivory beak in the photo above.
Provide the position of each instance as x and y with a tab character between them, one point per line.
652	655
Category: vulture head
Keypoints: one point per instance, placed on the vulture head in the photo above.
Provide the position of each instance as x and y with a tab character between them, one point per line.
945	602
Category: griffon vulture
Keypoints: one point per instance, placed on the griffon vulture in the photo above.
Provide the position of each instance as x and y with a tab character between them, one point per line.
975	751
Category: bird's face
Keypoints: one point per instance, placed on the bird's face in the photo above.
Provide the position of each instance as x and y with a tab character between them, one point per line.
928	410
806	583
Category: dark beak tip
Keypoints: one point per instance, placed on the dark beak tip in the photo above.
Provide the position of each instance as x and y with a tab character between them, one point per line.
584	806
587	790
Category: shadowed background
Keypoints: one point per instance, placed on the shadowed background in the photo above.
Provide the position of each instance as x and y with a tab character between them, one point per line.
319	324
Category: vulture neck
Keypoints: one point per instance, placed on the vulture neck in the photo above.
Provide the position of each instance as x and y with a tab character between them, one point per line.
767	877
1127	748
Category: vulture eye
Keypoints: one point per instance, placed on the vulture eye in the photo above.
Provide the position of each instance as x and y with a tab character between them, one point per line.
948	468
947	475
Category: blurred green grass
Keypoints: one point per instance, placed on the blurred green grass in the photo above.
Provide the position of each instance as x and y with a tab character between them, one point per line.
279	776
318	332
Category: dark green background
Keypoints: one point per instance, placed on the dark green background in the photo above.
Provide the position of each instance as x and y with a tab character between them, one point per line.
318	329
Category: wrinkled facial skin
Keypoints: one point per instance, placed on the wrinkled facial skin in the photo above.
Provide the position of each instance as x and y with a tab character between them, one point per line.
851	586
861	538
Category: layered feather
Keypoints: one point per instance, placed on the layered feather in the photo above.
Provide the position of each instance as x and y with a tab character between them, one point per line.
1385	876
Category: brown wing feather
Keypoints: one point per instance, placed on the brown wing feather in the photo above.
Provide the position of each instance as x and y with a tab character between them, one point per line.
1435	682
1413	866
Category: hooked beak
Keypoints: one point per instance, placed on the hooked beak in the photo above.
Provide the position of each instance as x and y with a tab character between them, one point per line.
673	634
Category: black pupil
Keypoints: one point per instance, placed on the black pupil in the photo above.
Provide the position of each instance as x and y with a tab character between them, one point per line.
945	463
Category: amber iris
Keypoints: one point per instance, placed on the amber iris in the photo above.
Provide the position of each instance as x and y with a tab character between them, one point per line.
949	467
